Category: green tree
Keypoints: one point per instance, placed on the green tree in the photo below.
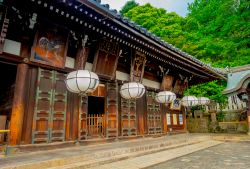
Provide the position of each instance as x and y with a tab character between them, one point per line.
214	31
128	6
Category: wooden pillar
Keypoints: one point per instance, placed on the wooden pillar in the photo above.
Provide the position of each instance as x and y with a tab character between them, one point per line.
17	114
165	110
185	112
141	113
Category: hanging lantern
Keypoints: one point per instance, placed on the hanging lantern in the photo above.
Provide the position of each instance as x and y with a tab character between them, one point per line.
189	101
203	100
82	81
132	90
165	97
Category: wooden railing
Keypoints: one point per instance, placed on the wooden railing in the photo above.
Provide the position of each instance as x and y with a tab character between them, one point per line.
3	132
96	125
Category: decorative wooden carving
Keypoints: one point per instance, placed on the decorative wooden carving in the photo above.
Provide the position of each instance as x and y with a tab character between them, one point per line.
4	23
82	55
183	87
81	58
177	86
50	46
137	68
106	59
50	107
167	82
180	86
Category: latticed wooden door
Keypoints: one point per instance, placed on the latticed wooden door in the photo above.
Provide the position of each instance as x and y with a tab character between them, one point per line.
154	121
128	117
112	110
50	107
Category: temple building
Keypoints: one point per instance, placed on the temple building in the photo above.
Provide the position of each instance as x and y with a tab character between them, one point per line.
44	40
238	84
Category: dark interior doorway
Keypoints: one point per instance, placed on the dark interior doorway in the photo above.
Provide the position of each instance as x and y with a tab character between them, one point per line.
95	105
7	86
96	117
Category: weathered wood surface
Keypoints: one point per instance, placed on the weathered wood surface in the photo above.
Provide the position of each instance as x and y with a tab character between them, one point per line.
18	107
30	103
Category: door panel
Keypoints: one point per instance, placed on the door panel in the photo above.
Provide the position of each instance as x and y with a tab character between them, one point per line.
50	107
128	117
58	113
154	119
112	110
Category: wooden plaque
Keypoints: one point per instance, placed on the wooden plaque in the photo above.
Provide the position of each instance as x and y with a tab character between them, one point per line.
105	62
50	46
176	104
137	68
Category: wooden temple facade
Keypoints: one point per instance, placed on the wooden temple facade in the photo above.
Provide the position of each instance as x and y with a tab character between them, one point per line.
43	40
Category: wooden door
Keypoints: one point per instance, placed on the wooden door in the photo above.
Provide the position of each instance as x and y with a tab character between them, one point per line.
154	120
112	110
58	106
50	107
41	120
128	117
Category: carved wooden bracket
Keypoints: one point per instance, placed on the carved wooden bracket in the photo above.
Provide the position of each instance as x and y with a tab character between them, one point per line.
138	66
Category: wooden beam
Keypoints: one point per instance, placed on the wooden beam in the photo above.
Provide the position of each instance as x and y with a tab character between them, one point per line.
19	101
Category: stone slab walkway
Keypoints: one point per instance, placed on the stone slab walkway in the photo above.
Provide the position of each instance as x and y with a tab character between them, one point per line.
228	155
156	158
98	154
145	152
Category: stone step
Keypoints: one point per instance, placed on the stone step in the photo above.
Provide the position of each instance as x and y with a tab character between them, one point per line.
98	163
153	159
102	159
96	155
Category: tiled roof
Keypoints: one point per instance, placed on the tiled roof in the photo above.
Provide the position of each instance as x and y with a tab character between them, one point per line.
152	36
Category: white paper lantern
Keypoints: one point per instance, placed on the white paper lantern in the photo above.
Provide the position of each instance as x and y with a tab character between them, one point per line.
165	97
82	81
132	90
203	100
189	101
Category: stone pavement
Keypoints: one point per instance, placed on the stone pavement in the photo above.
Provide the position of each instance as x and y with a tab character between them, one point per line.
229	155
94	155
156	158
137	153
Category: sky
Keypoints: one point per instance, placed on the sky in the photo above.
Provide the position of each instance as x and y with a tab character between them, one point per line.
178	6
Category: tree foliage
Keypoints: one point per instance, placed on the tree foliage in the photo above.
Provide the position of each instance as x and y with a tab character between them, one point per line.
128	6
214	31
